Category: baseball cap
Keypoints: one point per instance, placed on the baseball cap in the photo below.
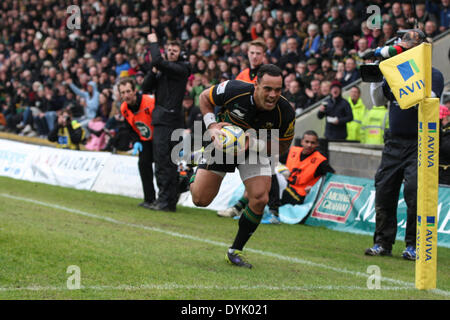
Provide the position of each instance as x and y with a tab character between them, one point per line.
336	83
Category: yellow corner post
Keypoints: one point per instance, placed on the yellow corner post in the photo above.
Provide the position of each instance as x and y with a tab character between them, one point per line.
409	77
427	194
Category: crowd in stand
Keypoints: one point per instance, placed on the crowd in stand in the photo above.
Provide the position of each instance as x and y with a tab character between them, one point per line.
47	65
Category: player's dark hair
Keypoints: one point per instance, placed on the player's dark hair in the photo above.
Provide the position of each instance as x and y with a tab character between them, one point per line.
310	133
124	81
270	69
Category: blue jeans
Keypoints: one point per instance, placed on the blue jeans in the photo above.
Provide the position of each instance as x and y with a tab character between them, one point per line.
50	117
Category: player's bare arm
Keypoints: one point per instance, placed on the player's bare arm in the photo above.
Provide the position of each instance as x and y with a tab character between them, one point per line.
207	110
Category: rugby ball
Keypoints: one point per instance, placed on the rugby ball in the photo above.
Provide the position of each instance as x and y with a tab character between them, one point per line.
234	139
283	170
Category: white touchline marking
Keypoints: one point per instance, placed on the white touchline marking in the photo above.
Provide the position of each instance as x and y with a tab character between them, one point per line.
174	286
221	244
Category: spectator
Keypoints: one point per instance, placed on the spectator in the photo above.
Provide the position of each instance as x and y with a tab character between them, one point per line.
45	119
350	25
300	72
317	15
395	12
326	41
289	32
363	49
312	66
295	96
254	6
56	101
340	71
444	146
191	113
351	73
388	33
423	16
335	19
328	73
67	133
444	17
121	64
430	30
325	88
377	38
90	97
313	93
306	165
408	14
338	52
197	88
291	57
359	111
367	33
337	112
273	52
311	44
97	126
172	73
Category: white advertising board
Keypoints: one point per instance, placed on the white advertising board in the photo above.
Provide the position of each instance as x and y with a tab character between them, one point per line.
15	158
66	168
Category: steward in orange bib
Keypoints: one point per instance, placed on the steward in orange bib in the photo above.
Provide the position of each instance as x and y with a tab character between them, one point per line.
306	166
137	109
256	53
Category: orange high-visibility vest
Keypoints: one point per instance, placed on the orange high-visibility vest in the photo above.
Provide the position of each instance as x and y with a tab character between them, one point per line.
244	75
302	172
141	121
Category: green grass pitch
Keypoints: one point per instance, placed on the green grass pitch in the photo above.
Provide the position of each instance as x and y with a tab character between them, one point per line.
123	251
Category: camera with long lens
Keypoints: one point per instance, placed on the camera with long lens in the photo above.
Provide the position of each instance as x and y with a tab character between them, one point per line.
371	72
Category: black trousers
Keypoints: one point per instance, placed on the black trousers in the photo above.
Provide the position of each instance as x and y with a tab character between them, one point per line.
398	165
444	176
145	164
291	197
274	194
165	170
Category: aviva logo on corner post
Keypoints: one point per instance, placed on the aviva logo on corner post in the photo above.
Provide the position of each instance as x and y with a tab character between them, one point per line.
409	75
408	69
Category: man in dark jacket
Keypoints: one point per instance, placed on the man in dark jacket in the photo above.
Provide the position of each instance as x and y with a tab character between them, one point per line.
338	113
168	79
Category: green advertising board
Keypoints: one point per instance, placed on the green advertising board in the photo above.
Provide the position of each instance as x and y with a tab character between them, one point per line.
348	204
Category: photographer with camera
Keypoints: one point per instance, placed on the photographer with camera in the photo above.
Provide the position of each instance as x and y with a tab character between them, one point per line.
67	133
167	78
399	158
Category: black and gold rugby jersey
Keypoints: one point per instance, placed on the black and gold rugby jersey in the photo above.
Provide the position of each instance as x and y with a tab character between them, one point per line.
238	107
